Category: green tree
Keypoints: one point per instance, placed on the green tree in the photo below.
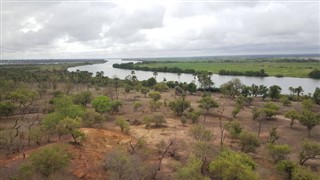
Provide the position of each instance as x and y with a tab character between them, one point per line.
285	100
155	96
101	104
293	115
233	165
161	87
207	103
71	126
124	166
157	119
310	150
248	141
192	88
231	88
316	95
6	108
200	133
25	97
303	173
234	129
179	105
151	82
298	90
274	92
82	98
91	117
193	115
279	152
115	106
273	135
49	160
191	170
205	80
123	124
309	119
144	91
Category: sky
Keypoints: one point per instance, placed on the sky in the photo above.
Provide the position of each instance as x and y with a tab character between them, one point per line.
150	28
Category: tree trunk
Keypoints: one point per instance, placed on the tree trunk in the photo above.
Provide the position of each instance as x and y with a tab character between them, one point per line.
259	130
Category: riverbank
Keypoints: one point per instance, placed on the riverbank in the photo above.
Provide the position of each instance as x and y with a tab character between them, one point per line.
272	68
36	65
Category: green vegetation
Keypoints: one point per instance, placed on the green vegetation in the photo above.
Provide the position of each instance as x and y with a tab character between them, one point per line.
272	68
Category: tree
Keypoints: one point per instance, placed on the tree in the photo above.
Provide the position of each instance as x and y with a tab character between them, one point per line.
191	170
200	133
254	90
49	159
234	129
233	165
25	97
161	87
293	115
6	108
101	104
144	91
151	82
310	150
157	119
83	98
274	92
296	172
207	103
309	119
71	126
279	152
273	135
307	104
270	110
205	80
263	91
285	100
155	74
248	141
123	124
115	106
91	117
316	95
123	166
193	115
179	105
231	88
155	96
298	90
192	88
303	173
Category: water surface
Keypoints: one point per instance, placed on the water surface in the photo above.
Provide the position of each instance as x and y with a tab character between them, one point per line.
307	84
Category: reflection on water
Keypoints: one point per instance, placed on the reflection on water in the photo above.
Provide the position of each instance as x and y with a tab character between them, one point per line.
307	84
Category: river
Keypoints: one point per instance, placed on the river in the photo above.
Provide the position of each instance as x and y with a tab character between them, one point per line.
307	84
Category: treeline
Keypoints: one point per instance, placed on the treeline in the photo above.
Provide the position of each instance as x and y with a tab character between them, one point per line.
132	66
315	74
154	69
260	73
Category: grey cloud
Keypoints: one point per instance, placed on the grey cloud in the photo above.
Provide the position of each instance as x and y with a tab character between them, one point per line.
187	29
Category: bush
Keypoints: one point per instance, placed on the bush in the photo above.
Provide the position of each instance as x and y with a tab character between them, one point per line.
233	165
123	124
279	152
285	100
249	142
49	159
157	119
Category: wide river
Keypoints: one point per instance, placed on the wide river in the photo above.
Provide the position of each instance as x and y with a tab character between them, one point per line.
307	84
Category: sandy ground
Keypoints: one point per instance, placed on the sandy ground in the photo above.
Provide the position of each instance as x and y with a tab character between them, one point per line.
88	157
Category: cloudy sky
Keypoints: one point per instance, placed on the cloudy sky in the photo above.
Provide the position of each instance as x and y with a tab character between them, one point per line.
128	28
